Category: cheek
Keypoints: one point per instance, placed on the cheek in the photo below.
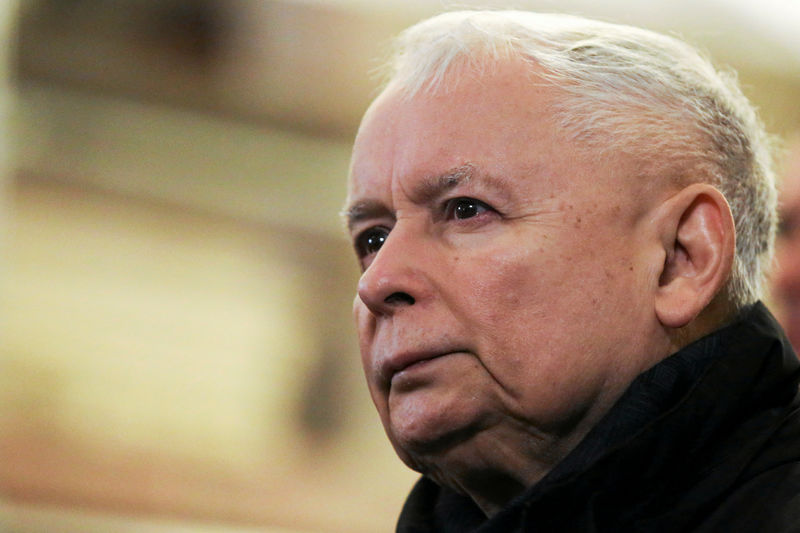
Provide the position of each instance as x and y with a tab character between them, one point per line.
506	303
523	284
535	337
558	305
365	327
365	324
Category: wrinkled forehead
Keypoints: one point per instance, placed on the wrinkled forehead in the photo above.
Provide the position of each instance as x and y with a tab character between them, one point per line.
487	114
376	125
503	123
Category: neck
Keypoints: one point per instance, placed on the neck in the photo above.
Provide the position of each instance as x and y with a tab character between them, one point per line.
497	465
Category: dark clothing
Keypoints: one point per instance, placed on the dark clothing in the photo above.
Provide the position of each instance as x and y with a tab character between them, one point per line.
706	441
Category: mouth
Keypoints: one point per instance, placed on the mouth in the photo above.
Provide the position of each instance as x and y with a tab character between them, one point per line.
402	364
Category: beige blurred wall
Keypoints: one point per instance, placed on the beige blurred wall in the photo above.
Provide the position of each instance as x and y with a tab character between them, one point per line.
8	14
178	345
161	360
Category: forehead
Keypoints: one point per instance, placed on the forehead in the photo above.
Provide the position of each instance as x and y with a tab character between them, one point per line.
500	122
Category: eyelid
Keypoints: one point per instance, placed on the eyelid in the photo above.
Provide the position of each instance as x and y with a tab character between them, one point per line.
449	204
359	235
358	228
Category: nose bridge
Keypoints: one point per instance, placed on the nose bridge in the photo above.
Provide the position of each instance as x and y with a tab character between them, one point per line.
395	278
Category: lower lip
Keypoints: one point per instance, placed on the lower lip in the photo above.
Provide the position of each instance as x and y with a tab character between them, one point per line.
412	372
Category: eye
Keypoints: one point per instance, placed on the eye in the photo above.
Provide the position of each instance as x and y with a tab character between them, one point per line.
463	208
369	241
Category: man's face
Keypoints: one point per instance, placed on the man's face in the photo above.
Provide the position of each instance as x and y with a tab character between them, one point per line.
787	274
504	298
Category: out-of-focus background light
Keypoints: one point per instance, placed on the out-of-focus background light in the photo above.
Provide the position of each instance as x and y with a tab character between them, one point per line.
176	347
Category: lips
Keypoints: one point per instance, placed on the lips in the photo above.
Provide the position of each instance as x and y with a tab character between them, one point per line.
396	363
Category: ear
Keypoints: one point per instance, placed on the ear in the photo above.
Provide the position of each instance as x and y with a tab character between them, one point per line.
698	235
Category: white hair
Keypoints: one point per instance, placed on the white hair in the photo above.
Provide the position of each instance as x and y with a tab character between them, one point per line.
625	90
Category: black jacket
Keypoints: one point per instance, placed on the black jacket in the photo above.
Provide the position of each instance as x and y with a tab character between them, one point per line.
706	441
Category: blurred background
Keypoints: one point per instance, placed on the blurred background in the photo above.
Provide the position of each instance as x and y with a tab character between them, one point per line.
176	347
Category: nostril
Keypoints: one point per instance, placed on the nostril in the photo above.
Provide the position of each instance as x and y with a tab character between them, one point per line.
399	298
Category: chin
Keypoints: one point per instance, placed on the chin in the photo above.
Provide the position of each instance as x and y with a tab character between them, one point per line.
429	439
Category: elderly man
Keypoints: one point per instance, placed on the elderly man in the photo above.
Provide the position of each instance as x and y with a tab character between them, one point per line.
563	227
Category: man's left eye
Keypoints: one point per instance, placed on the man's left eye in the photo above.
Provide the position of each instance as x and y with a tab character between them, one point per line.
463	208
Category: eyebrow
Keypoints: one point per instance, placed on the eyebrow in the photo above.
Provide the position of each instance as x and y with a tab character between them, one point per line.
434	186
363	210
427	190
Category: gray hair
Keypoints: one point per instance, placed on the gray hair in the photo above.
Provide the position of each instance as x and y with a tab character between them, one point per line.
626	90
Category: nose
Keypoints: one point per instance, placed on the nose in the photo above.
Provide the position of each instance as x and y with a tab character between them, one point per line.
395	278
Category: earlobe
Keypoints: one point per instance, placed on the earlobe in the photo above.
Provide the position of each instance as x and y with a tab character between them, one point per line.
698	235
